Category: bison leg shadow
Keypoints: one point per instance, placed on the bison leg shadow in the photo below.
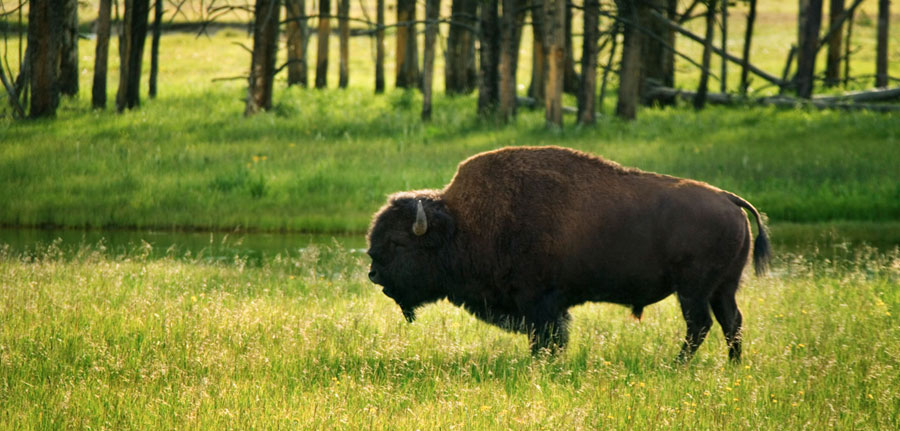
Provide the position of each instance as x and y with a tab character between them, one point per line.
696	314
550	335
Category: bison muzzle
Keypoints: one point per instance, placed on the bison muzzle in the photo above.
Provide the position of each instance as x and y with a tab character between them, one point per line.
520	235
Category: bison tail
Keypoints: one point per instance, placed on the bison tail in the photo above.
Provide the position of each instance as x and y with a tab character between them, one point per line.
762	250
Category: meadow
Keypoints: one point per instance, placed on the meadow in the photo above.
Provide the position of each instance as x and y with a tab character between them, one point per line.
93	341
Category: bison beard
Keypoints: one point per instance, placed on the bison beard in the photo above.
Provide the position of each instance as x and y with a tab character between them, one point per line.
520	235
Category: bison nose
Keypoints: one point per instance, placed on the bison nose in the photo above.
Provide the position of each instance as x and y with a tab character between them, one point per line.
373	276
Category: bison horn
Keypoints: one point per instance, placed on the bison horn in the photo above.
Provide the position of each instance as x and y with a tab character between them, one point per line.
421	225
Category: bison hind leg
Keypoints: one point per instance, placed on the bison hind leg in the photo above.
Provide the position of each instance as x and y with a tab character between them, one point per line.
729	317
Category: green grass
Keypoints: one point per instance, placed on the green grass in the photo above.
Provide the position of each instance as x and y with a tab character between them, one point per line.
306	342
323	161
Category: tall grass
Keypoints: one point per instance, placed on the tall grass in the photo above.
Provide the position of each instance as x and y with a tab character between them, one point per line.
130	342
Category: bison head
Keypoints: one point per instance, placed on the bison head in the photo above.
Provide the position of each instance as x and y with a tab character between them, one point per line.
408	243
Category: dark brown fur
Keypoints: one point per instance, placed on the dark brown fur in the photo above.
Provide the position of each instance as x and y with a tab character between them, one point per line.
520	235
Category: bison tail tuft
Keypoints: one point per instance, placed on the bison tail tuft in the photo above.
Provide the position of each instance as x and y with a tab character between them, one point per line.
762	249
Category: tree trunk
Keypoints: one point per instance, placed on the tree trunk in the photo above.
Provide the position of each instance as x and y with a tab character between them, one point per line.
322	38
554	47
344	30
881	57
68	57
833	65
131	53
154	47
657	60
297	38
700	99
538	57
379	47
265	48
630	68
460	74
570	79
488	90
44	23
847	50
723	78
748	38
614	36
508	59
101	56
589	62
432	13
807	41
407	46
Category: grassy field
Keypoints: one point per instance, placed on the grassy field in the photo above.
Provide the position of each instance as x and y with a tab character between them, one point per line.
97	342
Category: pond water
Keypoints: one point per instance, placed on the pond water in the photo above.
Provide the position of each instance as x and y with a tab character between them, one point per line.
252	247
829	240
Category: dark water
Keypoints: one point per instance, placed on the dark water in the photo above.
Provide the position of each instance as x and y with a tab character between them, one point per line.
208	246
828	241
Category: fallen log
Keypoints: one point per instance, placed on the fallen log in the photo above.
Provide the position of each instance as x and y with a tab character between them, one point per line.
687	33
779	101
876	95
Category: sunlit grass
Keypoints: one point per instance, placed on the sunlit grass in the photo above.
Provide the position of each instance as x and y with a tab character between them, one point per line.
306	342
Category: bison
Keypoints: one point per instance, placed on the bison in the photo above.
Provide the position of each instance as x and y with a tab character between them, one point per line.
522	234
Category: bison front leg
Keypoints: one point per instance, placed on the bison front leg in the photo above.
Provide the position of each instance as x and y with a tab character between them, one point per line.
549	335
696	313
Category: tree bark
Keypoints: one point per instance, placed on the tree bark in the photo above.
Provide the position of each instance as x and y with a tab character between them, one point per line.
748	38
344	30
723	78
101	56
508	59
570	79
630	68
432	13
538	57
657	59
154	47
488	89
847	50
44	23
833	65
554	46
322	38
265	48
379	47
68	58
407	46
460	74
614	36
131	53
881	56
703	87
807	45
297	39
589	62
